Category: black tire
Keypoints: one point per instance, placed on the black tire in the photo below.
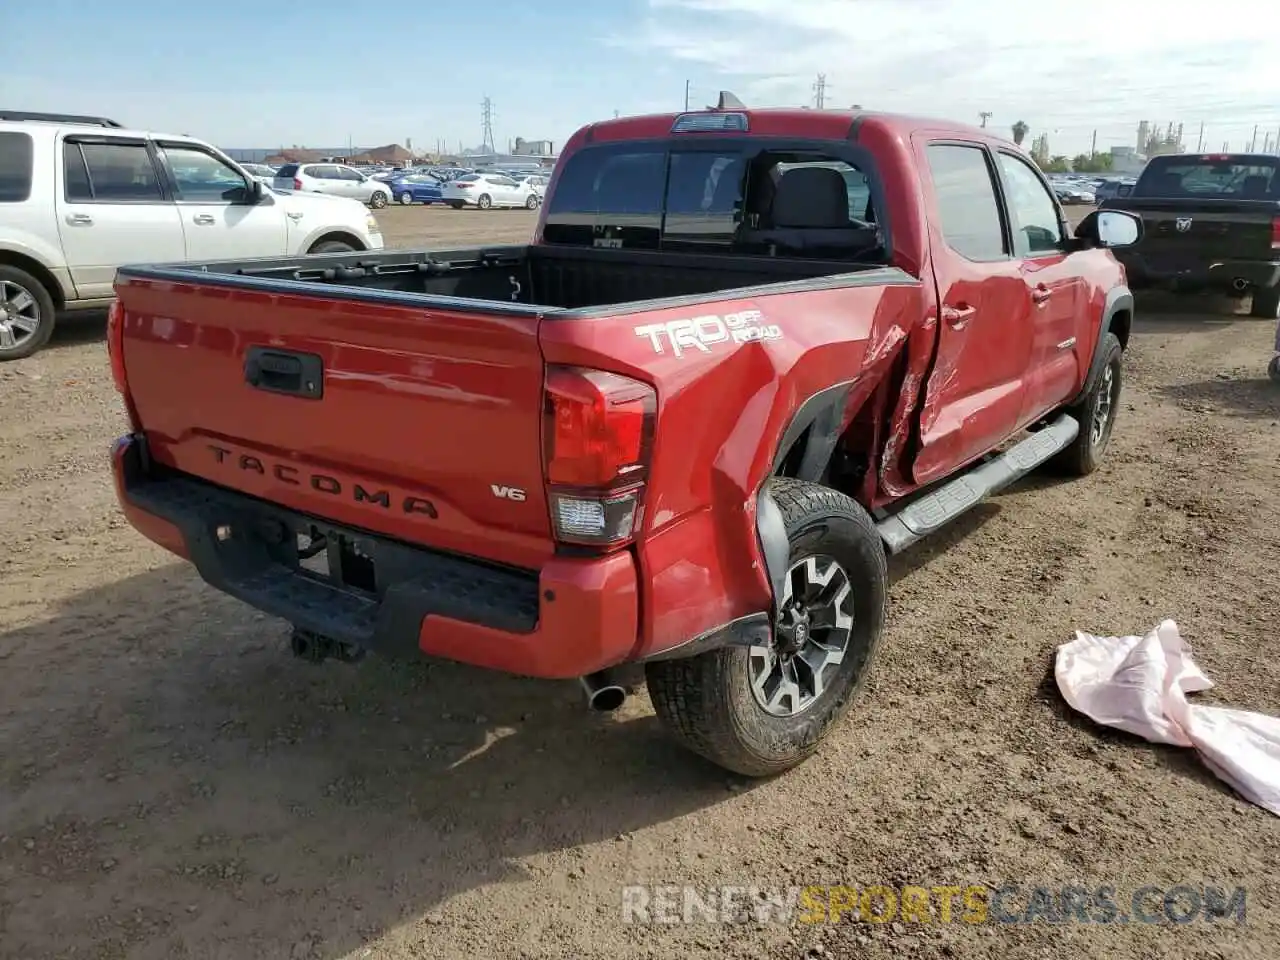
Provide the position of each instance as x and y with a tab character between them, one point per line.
405	198
1266	303
484	201
332	246
457	204
1273	369
379	199
532	202
1085	453
27	314
707	701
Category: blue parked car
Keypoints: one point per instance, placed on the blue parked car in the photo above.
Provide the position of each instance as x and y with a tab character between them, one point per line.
415	188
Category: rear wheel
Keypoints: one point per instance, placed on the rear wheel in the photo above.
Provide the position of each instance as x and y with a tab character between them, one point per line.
26	314
457	204
406	198
332	246
1096	414
378	200
762	710
484	202
1266	303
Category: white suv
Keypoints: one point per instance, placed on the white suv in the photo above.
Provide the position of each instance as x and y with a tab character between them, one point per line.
81	196
333	179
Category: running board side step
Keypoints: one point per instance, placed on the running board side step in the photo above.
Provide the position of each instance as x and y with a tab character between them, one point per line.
922	517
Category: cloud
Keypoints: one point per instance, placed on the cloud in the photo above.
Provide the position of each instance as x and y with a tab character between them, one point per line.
1071	68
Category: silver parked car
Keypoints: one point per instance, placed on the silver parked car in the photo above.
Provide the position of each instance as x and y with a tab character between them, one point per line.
334	179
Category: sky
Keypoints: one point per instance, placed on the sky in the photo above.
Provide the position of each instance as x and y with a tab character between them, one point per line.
325	73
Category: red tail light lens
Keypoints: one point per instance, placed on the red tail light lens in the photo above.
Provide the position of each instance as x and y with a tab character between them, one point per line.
115	345
297	184
598	437
1275	233
115	354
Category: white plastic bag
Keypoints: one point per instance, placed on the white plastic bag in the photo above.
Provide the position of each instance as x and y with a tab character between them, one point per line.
1140	685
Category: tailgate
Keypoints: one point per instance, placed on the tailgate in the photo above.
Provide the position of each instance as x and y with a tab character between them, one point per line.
417	423
1206	231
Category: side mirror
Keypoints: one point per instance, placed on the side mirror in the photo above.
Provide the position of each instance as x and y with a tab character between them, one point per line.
1109	229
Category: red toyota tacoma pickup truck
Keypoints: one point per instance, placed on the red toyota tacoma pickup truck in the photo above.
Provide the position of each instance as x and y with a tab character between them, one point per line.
748	354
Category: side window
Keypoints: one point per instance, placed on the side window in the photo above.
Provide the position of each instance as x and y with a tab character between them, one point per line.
75	173
1035	214
347	173
119	172
968	208
16	152
202	177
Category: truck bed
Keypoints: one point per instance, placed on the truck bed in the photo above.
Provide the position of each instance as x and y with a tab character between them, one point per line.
529	278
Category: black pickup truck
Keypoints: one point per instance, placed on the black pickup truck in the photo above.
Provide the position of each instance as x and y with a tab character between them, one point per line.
1212	221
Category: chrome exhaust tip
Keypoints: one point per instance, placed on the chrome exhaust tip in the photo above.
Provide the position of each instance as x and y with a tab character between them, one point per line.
604	693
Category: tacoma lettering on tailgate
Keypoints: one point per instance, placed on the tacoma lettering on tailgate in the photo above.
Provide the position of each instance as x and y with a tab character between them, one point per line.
323	483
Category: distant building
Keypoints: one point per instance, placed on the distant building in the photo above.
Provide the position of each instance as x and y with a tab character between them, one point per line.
1127	160
533	148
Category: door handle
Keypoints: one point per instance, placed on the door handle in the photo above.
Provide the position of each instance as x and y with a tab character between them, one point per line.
79	219
204	219
1040	294
959	316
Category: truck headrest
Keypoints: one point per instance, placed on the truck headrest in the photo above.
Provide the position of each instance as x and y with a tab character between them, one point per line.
811	197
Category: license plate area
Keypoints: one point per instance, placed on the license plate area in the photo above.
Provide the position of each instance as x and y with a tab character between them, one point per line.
336	557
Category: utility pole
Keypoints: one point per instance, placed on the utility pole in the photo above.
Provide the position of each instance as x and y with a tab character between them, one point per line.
985	115
1253	141
1200	139
616	114
1093	149
486	119
820	91
686	95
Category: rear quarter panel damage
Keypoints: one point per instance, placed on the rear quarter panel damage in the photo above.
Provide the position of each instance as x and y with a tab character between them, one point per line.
724	403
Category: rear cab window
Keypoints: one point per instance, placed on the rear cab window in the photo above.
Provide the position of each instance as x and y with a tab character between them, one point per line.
16	159
1211	177
287	172
718	196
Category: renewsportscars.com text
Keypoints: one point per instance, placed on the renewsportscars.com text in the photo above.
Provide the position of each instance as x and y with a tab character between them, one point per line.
973	904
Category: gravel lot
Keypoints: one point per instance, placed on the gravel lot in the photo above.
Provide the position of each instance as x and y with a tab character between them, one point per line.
173	784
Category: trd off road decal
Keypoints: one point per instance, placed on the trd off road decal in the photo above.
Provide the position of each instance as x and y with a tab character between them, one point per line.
702	333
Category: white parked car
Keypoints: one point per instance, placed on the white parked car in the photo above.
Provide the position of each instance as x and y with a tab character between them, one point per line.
334	179
538	183
81	196
487	190
260	172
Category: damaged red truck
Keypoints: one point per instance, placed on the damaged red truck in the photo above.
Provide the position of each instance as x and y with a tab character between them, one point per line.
748	354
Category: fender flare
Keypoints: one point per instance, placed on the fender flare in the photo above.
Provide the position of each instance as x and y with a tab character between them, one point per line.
1119	299
822	415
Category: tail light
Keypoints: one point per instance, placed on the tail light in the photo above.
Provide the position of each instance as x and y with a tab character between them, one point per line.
1275	233
297	184
115	353
463	186
598	438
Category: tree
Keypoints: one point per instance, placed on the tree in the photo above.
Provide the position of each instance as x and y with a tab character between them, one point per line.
1020	130
1057	164
1091	163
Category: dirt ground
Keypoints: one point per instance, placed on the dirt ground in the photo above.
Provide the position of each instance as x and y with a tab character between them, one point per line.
174	785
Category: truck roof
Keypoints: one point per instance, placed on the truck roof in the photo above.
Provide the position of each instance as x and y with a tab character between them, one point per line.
786	121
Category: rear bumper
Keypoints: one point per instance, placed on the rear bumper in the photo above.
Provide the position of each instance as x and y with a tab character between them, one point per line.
1145	270
573	617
